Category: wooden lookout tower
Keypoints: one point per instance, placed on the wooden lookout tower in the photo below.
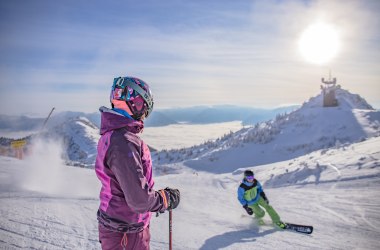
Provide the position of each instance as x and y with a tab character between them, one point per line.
328	90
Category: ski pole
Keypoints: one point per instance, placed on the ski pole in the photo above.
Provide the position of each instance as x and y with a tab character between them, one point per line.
170	229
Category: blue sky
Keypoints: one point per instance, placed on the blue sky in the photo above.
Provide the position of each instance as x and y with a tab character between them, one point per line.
66	53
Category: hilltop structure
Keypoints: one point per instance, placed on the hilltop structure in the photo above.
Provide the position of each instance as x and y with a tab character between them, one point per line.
328	90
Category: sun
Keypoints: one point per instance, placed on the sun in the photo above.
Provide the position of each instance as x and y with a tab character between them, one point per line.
319	43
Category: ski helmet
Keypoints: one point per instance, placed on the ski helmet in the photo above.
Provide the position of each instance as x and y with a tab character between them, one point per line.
133	93
248	173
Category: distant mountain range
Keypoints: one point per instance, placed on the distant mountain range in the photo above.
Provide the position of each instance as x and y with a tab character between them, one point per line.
215	114
20	123
160	117
278	134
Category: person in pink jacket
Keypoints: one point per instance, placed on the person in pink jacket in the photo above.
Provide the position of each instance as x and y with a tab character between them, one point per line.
124	167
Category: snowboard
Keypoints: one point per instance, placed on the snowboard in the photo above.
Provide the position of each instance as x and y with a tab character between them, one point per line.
299	228
304	229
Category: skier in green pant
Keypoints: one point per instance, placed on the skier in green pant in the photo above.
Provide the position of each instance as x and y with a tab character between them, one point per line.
253	199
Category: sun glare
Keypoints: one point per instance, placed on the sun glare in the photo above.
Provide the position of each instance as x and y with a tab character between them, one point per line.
319	43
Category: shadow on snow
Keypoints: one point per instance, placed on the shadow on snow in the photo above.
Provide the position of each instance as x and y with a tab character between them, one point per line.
232	237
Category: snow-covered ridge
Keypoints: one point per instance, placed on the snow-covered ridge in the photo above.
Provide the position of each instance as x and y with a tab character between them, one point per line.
338	164
311	127
345	99
80	138
77	135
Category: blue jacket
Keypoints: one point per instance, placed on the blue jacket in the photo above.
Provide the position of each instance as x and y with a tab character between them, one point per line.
249	193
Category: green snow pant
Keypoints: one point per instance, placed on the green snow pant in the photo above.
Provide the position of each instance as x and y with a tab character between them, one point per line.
259	212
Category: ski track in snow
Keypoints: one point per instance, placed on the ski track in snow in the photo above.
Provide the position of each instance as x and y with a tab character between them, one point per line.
49	224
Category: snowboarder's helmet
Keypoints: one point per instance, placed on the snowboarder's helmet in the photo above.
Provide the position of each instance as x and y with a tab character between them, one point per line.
248	173
133	93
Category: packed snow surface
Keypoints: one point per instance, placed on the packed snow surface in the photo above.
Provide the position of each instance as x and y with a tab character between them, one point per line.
46	205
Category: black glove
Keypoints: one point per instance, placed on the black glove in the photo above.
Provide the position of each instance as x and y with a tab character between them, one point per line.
264	197
171	196
248	209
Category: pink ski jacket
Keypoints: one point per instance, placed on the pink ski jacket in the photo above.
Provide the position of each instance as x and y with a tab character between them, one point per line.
124	167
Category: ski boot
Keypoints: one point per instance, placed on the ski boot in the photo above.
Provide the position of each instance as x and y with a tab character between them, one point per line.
281	224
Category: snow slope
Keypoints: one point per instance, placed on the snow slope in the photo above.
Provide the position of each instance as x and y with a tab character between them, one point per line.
46	205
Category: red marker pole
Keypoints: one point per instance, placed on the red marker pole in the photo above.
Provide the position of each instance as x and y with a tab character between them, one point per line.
170	230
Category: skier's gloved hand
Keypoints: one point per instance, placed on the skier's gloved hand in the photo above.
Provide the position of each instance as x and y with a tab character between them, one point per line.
248	209
174	197
171	197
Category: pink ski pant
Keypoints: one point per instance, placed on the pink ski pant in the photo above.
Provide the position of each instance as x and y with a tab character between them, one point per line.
110	240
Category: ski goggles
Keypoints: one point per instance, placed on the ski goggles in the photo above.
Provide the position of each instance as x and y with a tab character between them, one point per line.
250	177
